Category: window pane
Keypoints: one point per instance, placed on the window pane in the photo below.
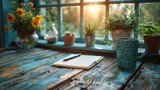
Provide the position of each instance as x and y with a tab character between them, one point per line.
95	13
149	12
70	1
71	20
118	8
50	17
48	2
93	0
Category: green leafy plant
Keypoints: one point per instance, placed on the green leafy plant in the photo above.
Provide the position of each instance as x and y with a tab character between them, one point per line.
149	28
126	18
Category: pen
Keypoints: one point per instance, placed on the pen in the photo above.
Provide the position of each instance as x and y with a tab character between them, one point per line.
72	57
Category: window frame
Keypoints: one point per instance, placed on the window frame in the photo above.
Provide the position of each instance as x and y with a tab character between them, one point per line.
81	4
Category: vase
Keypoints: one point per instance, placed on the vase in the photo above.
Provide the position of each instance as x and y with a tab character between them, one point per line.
52	35
90	41
26	40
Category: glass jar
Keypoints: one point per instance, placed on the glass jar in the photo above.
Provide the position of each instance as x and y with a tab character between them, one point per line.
26	40
52	35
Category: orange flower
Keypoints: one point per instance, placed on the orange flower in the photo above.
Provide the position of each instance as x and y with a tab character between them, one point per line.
39	17
21	4
36	21
10	17
6	27
20	12
30	4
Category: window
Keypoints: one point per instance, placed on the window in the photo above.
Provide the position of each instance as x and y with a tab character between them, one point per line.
70	1
70	22
50	16
149	12
69	14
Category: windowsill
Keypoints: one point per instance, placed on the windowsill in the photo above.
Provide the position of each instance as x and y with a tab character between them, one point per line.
81	48
76	47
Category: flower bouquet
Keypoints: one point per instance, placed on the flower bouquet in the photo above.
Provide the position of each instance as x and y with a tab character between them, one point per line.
24	20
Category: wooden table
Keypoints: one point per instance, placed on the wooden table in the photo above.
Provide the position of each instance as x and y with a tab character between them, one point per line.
32	70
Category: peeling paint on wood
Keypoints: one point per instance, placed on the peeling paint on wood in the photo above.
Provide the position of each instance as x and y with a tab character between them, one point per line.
32	70
148	78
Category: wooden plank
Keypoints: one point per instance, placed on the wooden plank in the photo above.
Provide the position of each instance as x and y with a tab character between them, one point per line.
17	50
42	81
17	59
21	78
35	72
14	71
147	79
107	62
103	77
17	54
32	70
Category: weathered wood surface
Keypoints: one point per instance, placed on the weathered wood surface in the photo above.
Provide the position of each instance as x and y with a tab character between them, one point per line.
31	69
148	78
104	76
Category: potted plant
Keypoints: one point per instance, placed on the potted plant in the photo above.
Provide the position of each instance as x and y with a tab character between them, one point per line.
69	38
121	24
89	29
151	35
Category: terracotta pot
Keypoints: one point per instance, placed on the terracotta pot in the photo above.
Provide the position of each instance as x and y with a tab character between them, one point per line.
119	32
69	39
153	43
122	27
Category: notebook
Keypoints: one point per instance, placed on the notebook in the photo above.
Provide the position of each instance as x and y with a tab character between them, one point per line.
80	62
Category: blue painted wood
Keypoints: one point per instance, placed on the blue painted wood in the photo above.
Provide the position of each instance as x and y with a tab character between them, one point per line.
59	19
30	75
81	46
30	63
9	57
7	37
33	71
27	58
147	79
1	25
26	75
105	76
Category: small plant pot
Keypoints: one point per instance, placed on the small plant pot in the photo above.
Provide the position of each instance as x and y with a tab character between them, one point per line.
90	41
69	39
153	43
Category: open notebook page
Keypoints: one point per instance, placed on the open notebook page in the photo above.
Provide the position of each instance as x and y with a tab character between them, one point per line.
81	62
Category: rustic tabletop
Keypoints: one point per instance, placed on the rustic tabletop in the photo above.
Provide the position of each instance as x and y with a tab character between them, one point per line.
32	70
